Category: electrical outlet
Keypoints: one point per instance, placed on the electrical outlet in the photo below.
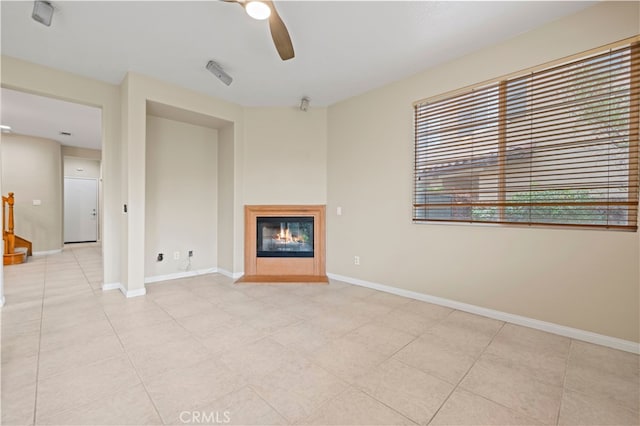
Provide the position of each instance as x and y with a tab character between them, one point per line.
356	260
190	253
176	255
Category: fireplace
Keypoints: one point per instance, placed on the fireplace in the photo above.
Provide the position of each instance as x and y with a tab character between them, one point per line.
284	243
284	236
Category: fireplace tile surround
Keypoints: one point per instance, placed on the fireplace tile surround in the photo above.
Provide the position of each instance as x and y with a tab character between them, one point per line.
287	247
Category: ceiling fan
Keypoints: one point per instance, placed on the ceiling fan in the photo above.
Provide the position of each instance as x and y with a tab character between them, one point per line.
265	9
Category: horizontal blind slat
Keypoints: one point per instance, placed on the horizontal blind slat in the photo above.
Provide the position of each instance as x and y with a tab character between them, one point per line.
570	154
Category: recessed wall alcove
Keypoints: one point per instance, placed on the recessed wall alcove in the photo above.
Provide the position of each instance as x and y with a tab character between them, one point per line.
284	244
188	179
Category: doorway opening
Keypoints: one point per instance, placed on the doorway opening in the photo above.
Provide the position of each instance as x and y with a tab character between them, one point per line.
50	142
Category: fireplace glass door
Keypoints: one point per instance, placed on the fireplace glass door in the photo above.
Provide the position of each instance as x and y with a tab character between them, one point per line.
285	236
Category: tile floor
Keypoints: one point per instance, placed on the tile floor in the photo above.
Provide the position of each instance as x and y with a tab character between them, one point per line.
203	350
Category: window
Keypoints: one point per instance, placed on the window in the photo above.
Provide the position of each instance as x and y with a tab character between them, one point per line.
552	147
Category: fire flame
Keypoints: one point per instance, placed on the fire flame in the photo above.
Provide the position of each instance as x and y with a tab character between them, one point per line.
284	236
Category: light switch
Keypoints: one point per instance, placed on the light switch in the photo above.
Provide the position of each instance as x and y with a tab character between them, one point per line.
339	211
37	202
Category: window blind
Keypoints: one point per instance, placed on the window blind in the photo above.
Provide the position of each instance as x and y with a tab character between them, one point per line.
554	147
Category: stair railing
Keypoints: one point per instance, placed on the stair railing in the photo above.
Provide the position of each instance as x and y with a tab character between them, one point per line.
7	228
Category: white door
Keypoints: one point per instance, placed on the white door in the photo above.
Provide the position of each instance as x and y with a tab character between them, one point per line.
80	210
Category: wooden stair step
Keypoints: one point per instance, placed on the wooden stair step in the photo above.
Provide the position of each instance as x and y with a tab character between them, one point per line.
21	242
20	256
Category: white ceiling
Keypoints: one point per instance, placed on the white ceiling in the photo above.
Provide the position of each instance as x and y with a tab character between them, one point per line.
34	115
342	48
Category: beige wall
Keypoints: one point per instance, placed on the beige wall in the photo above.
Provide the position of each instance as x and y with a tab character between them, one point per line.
285	156
181	196
577	278
74	151
81	167
32	169
226	229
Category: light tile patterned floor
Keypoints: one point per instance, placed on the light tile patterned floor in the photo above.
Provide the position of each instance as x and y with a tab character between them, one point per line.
203	350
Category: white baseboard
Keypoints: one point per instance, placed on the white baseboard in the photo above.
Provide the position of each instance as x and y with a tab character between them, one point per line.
574	333
112	286
135	293
234	275
155	279
127	293
47	252
175	276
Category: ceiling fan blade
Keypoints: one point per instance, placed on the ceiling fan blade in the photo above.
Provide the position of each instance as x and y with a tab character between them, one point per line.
279	34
